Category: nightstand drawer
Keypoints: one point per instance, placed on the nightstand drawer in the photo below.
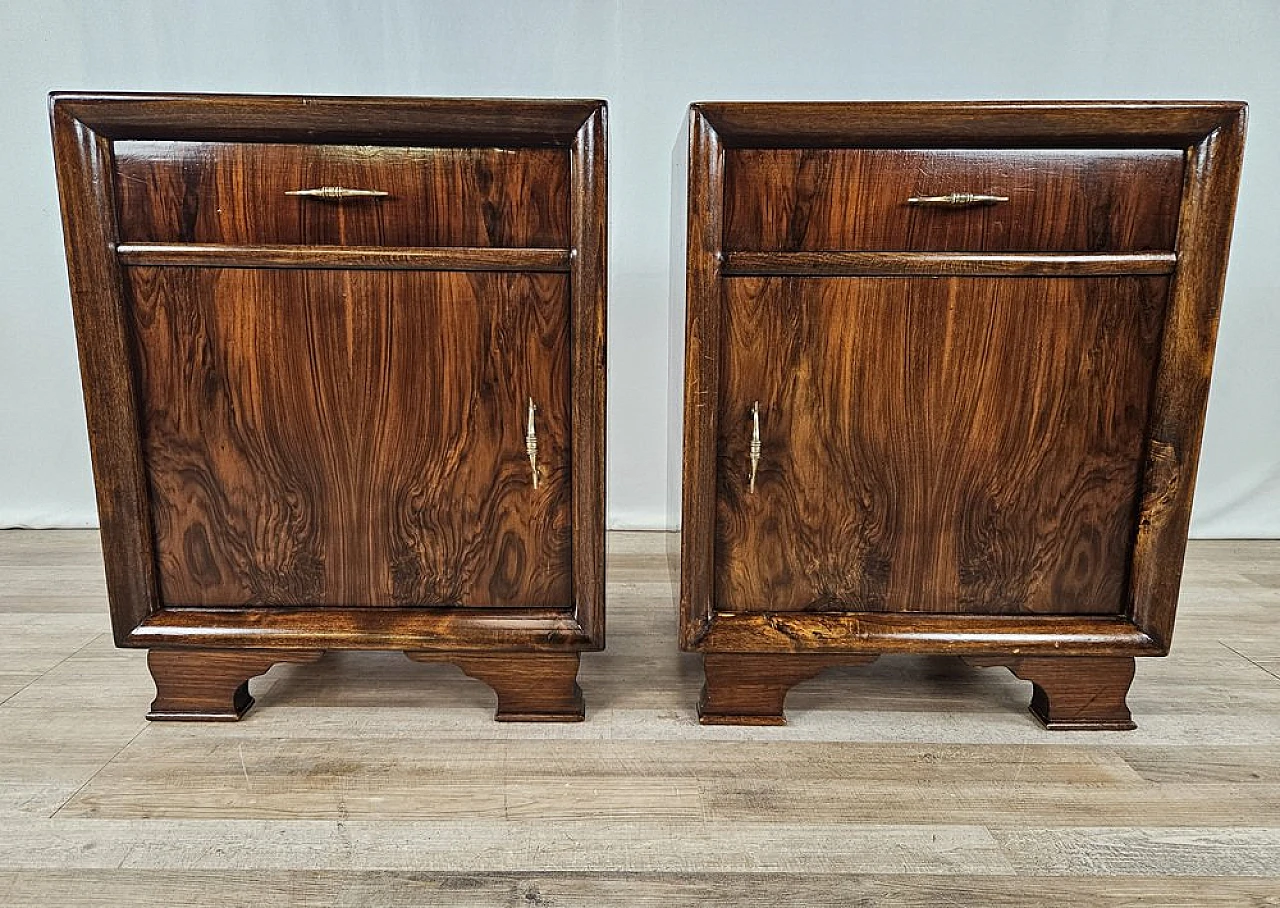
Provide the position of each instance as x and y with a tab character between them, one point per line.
357	195
944	200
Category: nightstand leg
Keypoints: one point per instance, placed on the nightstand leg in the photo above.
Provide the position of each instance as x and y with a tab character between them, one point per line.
210	685
750	689
531	687
1073	693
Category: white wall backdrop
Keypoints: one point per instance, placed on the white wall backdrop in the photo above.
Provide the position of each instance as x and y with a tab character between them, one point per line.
649	59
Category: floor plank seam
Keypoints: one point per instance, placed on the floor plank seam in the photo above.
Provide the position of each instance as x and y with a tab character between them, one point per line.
89	781
88	643
1255	664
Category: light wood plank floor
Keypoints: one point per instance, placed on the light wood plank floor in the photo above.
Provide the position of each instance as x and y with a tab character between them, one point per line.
367	779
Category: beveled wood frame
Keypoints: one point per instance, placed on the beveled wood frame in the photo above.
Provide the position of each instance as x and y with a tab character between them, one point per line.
1212	136
85	126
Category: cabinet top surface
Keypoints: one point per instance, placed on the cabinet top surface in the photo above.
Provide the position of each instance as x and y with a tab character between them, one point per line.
312	118
966	123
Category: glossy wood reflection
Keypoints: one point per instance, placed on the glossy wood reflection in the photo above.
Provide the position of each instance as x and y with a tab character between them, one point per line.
354	438
236	193
785	199
959	445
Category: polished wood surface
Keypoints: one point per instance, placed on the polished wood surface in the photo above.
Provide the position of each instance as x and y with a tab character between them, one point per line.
190	192
210	685
354	438
540	688
1186	363
309	409
856	199
751	690
82	160
934	264
1074	694
966	124
832	633
145	116
448	258
956	445
369	779
979	424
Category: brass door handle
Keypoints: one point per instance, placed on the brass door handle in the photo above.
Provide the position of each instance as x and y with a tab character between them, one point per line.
531	442
755	446
956	200
338	193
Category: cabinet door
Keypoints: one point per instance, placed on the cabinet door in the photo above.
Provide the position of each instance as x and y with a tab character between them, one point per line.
355	438
933	444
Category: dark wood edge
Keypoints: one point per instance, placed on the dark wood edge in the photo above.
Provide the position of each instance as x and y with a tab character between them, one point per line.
702	338
435	630
338	119
589	270
916	632
407	258
83	163
1181	392
1048	124
962	264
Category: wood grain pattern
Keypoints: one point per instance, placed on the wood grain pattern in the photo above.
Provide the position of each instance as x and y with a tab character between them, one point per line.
235	193
1181	395
1074	694
703	212
210	685
914	632
448	258
85	190
354	438
934	264
541	688
965	124
589	290
751	690
950	445
333	119
1066	201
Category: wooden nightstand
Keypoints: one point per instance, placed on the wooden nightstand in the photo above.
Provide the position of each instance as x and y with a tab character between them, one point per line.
343	363
946	371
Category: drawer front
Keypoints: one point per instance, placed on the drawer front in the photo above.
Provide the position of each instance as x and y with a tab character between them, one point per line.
238	193
793	200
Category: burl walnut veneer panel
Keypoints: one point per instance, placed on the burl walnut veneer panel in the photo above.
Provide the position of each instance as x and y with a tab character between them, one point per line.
951	445
355	438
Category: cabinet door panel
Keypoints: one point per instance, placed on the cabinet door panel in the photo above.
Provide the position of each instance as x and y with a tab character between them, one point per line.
354	438
937	445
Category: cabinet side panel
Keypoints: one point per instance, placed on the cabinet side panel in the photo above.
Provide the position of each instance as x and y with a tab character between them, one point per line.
83	161
345	438
960	445
701	358
676	312
1186	363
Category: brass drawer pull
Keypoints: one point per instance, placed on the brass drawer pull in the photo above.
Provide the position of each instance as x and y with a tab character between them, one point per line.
956	200
338	193
531	443
755	445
